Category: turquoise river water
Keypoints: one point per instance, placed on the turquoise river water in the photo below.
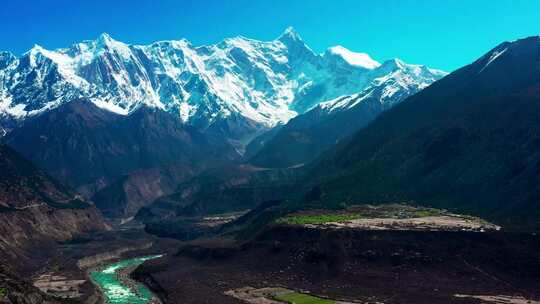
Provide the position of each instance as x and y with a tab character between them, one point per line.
114	290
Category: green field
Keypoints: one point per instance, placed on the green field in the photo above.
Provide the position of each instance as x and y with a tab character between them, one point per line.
313	219
301	298
3	292
396	211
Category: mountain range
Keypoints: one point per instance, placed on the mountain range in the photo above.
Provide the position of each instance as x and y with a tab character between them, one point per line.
469	143
309	134
265	83
36	211
125	124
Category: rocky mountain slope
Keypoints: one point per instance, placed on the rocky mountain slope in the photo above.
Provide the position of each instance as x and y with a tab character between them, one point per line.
15	290
121	161
35	210
226	189
223	192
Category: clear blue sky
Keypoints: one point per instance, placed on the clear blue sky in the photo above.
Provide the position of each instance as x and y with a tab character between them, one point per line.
444	34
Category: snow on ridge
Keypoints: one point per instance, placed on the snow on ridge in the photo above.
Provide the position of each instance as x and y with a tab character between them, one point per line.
110	107
64	63
493	57
392	82
353	58
438	72
260	80
290	33
120	47
342	102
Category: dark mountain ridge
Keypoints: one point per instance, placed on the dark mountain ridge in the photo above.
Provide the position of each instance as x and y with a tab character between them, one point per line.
90	149
306	136
471	142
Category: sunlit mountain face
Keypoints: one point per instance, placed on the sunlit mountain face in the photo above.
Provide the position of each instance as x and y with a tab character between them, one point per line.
263	82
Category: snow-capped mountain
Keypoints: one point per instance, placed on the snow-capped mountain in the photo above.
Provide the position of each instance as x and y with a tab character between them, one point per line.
392	82
306	136
261	82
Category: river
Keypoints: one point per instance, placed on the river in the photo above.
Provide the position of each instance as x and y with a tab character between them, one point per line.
118	288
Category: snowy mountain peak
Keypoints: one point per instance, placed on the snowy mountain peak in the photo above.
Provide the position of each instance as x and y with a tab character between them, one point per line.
357	59
290	36
104	38
263	82
36	53
291	33
105	41
6	59
418	70
5	54
394	63
36	49
391	83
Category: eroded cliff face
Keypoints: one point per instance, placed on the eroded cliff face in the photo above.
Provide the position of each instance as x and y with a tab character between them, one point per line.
100	258
37	212
22	231
127	195
119	162
15	290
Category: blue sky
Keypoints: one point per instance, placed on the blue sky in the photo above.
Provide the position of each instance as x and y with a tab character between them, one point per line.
443	34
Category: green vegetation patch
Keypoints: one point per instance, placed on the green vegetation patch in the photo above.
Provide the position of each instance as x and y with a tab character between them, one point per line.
427	212
301	298
396	211
3	292
313	219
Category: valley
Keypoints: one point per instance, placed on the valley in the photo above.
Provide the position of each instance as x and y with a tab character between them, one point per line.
116	285
313	257
349	265
268	171
96	267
